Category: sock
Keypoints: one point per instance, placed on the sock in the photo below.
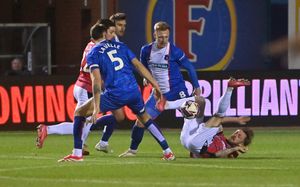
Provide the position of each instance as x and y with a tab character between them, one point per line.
167	151
103	121
157	134
137	134
224	102
77	133
110	122
85	132
77	152
177	103
62	128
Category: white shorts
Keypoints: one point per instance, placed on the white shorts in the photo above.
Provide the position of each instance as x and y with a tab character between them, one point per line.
81	95
194	135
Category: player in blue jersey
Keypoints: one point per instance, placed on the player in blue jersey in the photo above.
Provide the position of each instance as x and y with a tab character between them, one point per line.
109	121
113	63
82	90
164	61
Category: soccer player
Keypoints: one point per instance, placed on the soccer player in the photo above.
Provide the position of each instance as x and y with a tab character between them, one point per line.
119	20
83	91
164	61
206	139
113	62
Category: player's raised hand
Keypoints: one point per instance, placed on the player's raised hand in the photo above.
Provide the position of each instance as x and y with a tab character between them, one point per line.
157	93
160	100
94	115
242	120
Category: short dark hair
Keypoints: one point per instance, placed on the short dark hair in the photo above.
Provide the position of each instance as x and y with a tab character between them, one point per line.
107	23
117	17
249	135
97	30
161	26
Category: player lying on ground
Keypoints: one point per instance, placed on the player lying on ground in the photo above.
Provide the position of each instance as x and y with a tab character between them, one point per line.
206	139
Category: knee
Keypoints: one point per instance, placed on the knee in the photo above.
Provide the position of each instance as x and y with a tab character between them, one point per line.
139	124
142	119
83	111
78	111
119	115
120	118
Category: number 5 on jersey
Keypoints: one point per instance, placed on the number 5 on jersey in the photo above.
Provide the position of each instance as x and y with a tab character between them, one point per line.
115	59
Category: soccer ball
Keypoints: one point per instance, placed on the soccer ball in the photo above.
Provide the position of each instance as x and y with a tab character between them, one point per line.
189	109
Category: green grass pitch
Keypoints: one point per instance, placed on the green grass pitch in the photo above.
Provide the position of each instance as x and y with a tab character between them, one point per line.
273	160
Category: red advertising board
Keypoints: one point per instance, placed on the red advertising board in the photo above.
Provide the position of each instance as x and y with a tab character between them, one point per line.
272	99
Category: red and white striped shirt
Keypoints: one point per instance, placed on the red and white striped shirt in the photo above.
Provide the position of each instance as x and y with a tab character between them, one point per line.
84	79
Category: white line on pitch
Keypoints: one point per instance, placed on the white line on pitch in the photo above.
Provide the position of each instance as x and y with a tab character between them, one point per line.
133	182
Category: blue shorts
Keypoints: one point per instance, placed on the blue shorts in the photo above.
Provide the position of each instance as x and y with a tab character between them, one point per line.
170	96
133	100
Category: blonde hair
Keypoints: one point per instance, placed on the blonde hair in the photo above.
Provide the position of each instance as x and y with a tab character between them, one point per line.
161	26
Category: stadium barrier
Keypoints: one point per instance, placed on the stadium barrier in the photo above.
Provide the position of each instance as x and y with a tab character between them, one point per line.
272	100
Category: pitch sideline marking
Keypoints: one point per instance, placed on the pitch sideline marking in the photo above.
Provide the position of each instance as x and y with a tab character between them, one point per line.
95	162
138	183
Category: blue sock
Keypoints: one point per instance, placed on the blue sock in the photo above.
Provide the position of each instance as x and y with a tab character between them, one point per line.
137	134
110	126
157	134
109	121
77	131
103	121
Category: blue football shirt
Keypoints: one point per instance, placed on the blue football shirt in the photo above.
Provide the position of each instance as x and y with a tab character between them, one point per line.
114	61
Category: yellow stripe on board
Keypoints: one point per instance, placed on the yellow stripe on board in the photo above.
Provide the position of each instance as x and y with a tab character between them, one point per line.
150	10
297	15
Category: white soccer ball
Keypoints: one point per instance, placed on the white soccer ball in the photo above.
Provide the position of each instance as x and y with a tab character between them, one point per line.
189	109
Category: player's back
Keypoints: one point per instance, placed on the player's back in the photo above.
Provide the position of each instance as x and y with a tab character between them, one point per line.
114	61
218	143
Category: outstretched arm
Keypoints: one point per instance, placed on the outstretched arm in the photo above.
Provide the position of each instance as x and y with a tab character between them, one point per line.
229	152
232	152
242	120
217	121
192	74
96	85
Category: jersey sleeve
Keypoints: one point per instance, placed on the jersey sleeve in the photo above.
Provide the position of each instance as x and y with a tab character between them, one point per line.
93	60
143	56
186	64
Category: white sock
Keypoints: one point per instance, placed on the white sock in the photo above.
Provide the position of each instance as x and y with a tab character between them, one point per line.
224	102
177	103
85	132
167	151
77	152
62	128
